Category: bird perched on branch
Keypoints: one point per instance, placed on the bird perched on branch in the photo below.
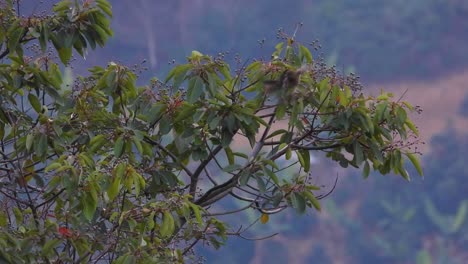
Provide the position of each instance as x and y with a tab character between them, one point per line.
284	87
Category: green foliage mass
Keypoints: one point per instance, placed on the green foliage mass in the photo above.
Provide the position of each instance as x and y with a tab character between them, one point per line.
105	170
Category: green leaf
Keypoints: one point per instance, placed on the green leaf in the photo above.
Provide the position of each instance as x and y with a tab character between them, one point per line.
366	170
196	54
277	132
119	171
14	36
403	173
313	200
415	162
271	174
278	49
376	152
178	74
306	52
41	145
29	141
126	259
261	184
298	202
196	212
167	225
89	202
64	54
50	245
412	127
232	167
358	153
137	144
155	112
244	177
225	71
195	89
139	183
280	111
55	76
401	115
380	112
229	155
165	125
187	110
34	101
3	219
18	215
44	37
305	157
288	154
53	166
119	147
62	6
97	142
114	188
129	179
105	7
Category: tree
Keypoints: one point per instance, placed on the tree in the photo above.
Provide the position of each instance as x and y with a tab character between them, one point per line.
98	169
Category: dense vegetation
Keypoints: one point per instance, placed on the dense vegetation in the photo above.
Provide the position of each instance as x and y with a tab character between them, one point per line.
97	169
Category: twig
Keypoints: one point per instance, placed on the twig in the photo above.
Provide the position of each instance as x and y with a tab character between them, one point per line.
173	157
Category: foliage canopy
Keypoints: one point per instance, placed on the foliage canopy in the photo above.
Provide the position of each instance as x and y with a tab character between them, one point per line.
101	169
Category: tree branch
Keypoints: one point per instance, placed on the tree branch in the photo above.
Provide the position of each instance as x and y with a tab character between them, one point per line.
218	192
170	154
201	167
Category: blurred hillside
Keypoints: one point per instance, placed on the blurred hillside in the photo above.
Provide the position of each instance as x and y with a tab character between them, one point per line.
382	40
441	99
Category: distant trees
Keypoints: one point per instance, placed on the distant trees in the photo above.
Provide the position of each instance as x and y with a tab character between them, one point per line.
98	169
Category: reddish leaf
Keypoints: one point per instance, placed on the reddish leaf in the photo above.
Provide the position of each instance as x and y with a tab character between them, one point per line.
65	231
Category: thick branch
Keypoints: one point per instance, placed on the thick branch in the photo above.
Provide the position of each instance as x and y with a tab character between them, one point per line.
201	167
170	154
333	146
218	192
4	53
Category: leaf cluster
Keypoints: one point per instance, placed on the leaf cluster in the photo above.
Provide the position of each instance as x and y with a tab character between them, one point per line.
105	169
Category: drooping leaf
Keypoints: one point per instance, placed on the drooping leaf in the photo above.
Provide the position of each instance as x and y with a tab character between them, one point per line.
64	54
89	202
298	202
195	89
310	196
113	189
366	170
415	162
167	225
196	211
34	101
229	155
232	168
119	147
